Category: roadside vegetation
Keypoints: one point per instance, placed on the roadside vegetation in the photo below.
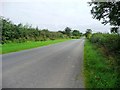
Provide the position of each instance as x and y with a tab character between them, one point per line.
13	47
102	50
101	69
20	37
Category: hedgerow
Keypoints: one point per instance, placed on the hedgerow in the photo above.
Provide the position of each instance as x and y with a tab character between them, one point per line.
109	44
109	41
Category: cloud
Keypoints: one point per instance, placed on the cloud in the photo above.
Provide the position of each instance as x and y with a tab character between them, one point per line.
52	14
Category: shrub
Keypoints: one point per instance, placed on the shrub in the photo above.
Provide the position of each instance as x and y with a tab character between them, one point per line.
109	41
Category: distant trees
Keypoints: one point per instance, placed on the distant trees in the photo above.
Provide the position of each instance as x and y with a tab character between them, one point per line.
88	33
22	33
75	34
68	31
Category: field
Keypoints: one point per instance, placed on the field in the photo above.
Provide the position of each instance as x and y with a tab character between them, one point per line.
13	47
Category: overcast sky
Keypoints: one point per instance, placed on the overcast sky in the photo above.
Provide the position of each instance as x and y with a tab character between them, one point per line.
52	14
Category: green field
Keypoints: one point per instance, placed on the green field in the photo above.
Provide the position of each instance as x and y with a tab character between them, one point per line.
13	47
98	69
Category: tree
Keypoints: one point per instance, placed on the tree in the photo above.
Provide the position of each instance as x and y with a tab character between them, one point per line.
76	33
114	30
88	33
68	31
108	12
63	32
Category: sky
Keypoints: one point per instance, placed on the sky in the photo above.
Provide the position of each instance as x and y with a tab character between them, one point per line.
52	14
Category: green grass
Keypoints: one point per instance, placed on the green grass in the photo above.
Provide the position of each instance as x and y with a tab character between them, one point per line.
98	71
13	47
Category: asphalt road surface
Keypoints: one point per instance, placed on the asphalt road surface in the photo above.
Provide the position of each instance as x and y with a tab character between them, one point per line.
53	66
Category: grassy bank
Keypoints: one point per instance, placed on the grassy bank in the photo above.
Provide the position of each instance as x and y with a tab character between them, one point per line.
13	47
98	69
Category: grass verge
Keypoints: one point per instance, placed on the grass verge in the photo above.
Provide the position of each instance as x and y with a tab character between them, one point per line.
13	47
98	70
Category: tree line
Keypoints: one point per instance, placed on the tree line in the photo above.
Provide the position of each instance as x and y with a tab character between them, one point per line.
22	33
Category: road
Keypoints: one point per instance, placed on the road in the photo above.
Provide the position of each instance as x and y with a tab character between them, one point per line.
53	66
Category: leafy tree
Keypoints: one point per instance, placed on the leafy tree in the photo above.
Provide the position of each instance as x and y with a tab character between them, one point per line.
88	33
22	33
114	30
63	32
68	31
108	12
76	33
